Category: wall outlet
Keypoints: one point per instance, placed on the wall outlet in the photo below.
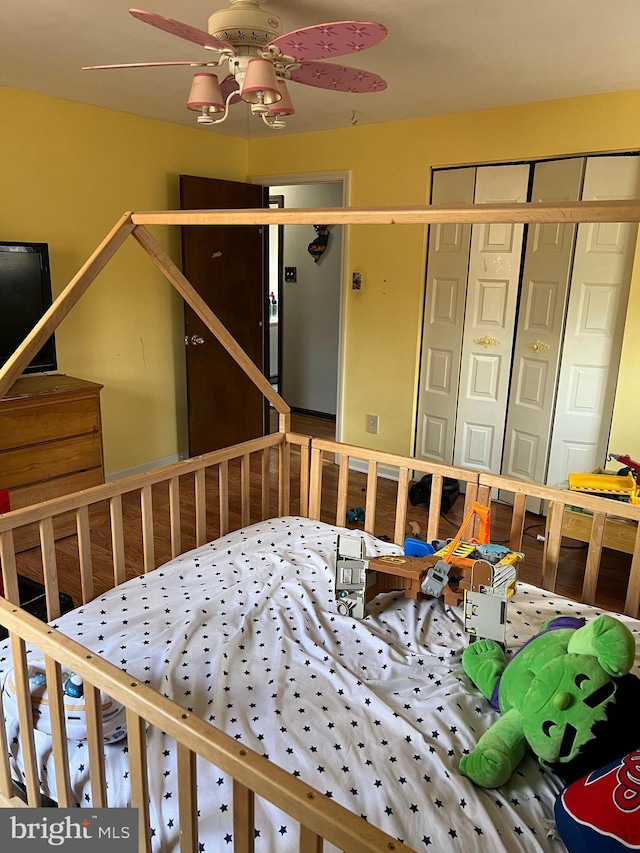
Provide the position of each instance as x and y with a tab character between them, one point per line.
372	423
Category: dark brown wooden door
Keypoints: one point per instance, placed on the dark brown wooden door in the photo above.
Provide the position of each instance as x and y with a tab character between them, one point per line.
226	265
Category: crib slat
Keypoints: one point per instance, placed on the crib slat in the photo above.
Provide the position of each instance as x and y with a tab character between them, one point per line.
117	540
517	521
245	489
137	746
310	842
49	568
146	509
6	786
84	553
187	800
243	818
632	600
372	497
58	732
25	719
592	566
95	746
433	521
9	568
553	540
315	484
284	475
343	490
305	467
401	506
201	507
266	483
484	495
223	492
174	516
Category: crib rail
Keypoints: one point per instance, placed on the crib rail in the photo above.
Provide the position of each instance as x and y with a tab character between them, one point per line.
329	502
253	775
597	512
342	476
231	488
281	474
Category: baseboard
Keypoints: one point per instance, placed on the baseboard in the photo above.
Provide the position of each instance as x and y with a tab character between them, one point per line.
145	466
311	413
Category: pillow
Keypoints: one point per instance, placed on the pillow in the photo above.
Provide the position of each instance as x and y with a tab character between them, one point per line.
601	811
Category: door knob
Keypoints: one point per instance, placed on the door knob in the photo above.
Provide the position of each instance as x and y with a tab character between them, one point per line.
537	346
487	341
196	340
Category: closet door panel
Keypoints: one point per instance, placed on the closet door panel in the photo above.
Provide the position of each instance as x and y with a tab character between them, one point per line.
543	301
494	272
447	269
595	322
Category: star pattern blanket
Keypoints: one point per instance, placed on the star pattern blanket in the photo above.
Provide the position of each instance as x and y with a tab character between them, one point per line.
375	713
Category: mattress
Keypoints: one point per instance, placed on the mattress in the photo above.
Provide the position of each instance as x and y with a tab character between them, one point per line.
375	712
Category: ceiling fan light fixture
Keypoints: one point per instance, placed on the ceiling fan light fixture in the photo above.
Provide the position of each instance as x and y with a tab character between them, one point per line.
205	96
283	107
260	86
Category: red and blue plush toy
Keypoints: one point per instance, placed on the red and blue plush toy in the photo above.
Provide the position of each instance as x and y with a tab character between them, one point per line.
568	697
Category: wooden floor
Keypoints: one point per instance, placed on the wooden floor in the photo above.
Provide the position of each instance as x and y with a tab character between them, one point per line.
616	565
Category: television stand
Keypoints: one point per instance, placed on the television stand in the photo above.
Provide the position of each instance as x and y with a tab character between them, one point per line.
50	445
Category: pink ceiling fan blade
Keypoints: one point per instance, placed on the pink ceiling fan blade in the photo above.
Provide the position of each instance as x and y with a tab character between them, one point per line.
195	62
323	41
229	85
182	30
339	78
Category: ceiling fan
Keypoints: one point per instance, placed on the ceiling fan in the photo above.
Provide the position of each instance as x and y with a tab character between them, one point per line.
257	60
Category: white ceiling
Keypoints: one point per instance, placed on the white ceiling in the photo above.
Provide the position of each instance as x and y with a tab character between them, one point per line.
441	56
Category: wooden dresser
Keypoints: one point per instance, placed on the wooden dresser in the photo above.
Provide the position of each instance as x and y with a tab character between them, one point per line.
50	444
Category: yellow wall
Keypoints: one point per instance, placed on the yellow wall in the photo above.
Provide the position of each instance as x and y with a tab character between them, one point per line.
68	173
390	164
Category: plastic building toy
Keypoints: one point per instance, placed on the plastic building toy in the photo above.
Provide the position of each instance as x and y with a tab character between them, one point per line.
628	462
485	603
352	577
480	574
614	486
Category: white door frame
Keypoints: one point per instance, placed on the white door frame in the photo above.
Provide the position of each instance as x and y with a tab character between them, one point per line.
343	177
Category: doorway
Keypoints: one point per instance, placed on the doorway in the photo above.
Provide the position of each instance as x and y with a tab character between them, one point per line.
306	295
225	264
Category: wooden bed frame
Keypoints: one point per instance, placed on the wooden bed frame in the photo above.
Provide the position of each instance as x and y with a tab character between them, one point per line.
279	474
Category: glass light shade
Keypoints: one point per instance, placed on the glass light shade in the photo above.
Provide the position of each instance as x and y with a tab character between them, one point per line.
205	93
260	83
284	106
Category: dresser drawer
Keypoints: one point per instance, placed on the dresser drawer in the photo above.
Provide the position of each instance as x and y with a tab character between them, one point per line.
47	420
27	465
65	524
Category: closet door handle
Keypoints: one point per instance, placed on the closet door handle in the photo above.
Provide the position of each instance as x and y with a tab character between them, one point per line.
487	342
538	346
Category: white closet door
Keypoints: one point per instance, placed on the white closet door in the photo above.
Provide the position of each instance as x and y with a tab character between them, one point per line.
447	270
595	323
494	272
542	308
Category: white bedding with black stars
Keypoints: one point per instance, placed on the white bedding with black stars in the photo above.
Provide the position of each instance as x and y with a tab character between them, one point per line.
374	713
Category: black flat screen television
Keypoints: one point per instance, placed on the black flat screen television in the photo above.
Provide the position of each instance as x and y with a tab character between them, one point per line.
25	295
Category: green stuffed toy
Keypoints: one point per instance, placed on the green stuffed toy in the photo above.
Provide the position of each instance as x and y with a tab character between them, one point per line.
556	696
